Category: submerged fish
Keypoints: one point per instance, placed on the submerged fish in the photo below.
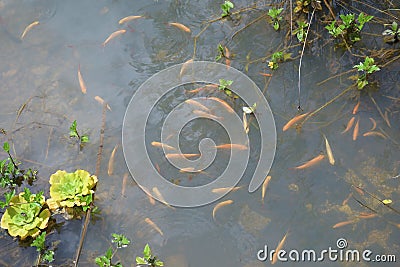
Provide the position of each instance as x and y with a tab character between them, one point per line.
207	115
355	131
81	81
295	119
197	104
113	35
227	57
232	146
340	224
110	170
279	248
329	152
219	205
128	18
310	163
162	145
373	124
264	187
226	105
102	102
224	190
349	125
185	66
355	109
154	225
28	28
180	26
182	156
374	133
161	198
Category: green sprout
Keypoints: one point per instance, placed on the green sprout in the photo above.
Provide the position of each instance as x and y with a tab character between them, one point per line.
301	30
226	8
366	67
275	58
349	27
221	52
46	255
10	174
73	133
274	13
224	85
106	259
148	259
391	35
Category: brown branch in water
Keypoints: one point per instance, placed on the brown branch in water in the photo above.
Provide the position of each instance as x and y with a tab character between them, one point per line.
248	25
97	172
330	9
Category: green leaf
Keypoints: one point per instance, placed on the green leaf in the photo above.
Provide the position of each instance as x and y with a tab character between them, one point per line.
276	26
159	263
48	256
109	253
72	130
6	147
140	260
147	252
27	194
39	242
84	138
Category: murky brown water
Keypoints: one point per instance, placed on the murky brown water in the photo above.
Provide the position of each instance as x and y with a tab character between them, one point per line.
41	71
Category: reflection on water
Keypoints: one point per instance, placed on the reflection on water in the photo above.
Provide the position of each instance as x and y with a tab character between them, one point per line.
41	72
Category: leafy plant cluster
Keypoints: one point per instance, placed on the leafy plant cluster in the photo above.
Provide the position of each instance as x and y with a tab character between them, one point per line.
367	67
122	241
275	15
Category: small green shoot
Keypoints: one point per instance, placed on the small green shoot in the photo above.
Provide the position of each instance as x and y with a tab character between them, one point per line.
221	53
106	259
391	35
148	259
366	67
275	58
73	133
274	13
46	255
301	30
349	27
7	197
224	85
226	8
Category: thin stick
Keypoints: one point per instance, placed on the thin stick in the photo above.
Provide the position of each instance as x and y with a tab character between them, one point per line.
301	58
380	111
48	143
98	164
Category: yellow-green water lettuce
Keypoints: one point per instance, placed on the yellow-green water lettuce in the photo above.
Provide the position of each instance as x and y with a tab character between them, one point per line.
70	189
23	218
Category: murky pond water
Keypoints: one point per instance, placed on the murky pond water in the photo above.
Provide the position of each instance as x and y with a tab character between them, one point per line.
39	73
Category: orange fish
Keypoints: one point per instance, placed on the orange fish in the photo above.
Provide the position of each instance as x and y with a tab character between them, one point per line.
347	199
81	81
265	74
180	26
295	119
264	187
207	115
219	205
208	86
161	198
355	109
101	101
226	105
124	181
158	168
227	57
374	133
149	195
155	227
177	155
224	190
349	125
110	170
278	248
197	104
128	18
245	123
185	66
162	145
386	117
373	124
113	35
232	146
359	190
310	162
340	224
355	131
363	215
28	28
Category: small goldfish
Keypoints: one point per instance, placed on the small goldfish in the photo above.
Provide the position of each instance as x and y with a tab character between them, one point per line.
310	162
264	187
206	115
340	224
177	155
154	225
373	124
349	125
232	146
355	131
28	28
110	170
355	109
227	58
81	81
112	36
128	18
161	198
185	66
295	119
224	190
219	205
102	102
226	105
162	145
197	104
329	152
180	26
279	248
374	133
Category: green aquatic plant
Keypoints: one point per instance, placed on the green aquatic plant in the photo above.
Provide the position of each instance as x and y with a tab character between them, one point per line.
106	259
274	13
226	8
301	30
221	52
148	259
367	67
224	85
391	35
46	255
71	189
73	133
25	215
10	174
349	27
